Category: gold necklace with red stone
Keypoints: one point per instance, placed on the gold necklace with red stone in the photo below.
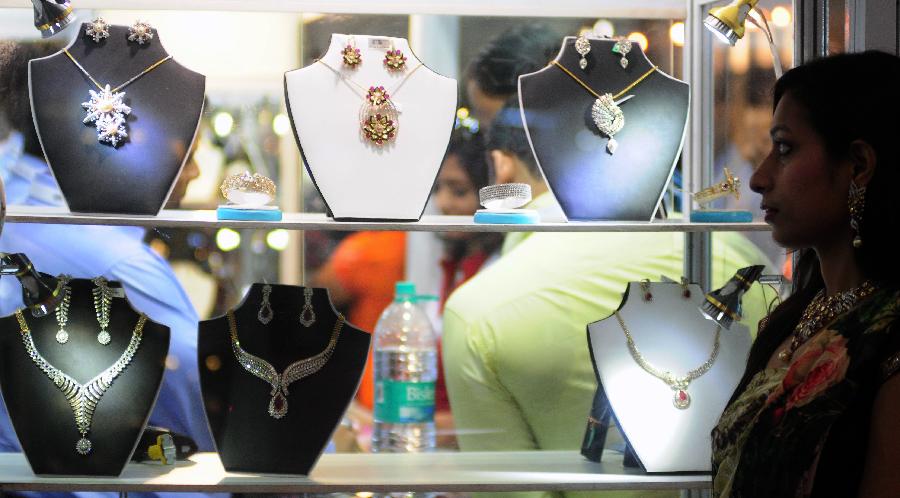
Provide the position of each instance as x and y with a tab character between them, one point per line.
379	118
680	397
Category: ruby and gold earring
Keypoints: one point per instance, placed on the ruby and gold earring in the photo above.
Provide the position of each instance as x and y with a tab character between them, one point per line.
394	60
350	54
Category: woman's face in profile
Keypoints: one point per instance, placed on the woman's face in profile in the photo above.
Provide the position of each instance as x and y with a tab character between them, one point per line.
804	190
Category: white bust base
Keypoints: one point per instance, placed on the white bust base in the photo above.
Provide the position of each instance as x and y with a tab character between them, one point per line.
671	334
360	180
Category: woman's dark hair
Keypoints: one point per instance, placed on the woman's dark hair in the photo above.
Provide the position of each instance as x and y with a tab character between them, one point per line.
507	133
15	103
469	149
845	97
520	50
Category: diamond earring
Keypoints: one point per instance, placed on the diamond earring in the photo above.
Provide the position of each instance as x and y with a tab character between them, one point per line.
857	204
583	47
350	54
140	32
622	47
102	300
265	313
62	311
394	60
307	314
97	29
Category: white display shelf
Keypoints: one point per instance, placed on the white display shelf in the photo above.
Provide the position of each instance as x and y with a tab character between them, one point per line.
645	9
318	221
461	472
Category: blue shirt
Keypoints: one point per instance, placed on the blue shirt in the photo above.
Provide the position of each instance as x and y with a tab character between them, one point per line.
117	253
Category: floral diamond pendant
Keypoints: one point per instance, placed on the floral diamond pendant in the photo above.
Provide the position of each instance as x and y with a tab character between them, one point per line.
609	119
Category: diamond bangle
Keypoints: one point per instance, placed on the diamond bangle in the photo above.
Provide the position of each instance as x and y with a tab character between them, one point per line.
505	196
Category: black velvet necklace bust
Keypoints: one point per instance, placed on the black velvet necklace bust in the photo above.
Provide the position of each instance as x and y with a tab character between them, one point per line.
137	176
589	182
247	438
41	415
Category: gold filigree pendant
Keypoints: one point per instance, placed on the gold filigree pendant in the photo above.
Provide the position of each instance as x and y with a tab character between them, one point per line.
379	118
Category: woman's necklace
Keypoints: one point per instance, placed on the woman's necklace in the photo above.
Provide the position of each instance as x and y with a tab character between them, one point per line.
106	108
83	398
680	398
278	405
379	118
606	112
821	311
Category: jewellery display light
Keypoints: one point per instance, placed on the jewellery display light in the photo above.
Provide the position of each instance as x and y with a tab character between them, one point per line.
40	293
723	305
728	24
52	16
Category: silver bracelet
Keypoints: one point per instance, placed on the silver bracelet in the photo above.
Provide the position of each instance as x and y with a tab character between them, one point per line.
505	196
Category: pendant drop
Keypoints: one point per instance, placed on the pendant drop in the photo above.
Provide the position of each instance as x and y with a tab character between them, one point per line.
83	446
612	145
608	117
378	117
62	336
681	399
104	338
278	405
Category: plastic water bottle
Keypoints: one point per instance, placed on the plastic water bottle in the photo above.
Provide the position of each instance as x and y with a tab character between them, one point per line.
405	373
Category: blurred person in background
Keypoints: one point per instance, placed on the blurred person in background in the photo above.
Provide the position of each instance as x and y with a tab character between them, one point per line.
492	76
516	357
117	253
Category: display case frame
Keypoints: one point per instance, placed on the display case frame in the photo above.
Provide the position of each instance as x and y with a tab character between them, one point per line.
464	472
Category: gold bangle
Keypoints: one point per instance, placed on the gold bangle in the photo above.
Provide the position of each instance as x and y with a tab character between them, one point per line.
246	189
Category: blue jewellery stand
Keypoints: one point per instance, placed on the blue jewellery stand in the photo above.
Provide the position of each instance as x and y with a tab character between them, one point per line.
731	186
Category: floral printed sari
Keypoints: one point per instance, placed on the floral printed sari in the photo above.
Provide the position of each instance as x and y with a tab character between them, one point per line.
801	430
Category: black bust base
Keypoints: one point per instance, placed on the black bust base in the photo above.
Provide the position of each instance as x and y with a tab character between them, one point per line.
166	103
588	182
247	438
41	415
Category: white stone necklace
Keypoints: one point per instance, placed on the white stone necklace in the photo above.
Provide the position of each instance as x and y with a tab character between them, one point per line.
262	369
107	109
83	398
680	397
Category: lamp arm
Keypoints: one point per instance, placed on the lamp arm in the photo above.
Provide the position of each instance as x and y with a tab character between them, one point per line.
764	26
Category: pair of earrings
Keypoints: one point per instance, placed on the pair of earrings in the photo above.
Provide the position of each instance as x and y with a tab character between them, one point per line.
621	47
102	302
394	60
140	32
648	296
307	314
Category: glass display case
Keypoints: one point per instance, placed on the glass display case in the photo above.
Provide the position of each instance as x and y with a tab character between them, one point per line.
245	47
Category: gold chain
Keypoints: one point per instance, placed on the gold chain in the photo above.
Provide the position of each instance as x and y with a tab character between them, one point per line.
597	95
123	85
364	90
666	376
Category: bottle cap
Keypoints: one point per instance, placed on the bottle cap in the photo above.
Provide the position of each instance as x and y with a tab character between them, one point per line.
405	291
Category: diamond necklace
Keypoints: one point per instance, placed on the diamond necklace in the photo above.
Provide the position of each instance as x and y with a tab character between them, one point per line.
821	311
107	109
83	398
260	368
606	113
379	118
680	398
